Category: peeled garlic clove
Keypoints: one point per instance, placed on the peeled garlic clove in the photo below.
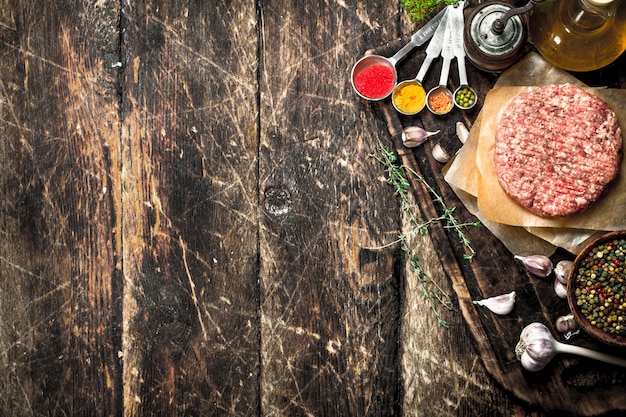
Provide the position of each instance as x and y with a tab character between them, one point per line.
562	270
462	132
440	154
560	289
413	136
500	304
538	265
566	324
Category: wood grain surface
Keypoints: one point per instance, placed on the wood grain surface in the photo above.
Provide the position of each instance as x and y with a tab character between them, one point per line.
60	305
330	312
188	182
193	223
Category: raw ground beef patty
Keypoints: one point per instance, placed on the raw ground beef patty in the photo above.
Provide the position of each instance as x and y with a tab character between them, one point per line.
557	148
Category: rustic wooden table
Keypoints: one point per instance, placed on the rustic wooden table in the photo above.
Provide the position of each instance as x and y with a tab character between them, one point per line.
193	223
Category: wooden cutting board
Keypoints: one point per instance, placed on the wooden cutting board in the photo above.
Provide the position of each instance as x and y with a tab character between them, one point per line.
569	384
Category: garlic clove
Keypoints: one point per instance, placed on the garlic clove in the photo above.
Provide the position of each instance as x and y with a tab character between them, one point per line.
413	136
566	324
560	289
531	364
500	304
462	132
440	154
562	270
538	265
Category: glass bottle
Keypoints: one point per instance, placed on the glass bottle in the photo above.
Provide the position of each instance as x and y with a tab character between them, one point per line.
579	35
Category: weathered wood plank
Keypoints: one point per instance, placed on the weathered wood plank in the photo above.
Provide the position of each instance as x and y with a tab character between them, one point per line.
330	311
59	281
189	221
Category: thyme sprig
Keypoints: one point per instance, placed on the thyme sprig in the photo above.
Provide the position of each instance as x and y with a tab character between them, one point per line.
448	216
396	177
431	291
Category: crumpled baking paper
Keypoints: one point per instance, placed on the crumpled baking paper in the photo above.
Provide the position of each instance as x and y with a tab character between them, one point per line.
471	174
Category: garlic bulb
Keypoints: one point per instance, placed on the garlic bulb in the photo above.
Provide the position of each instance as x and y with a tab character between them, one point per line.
413	136
562	270
536	347
560	289
462	132
566	324
538	265
440	154
500	304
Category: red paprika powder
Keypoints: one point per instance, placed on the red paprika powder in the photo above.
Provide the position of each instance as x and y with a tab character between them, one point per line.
375	81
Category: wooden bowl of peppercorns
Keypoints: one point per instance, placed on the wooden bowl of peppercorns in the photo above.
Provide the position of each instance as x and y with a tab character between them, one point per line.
596	288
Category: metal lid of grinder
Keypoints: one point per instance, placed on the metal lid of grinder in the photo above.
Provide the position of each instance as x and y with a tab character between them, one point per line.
495	35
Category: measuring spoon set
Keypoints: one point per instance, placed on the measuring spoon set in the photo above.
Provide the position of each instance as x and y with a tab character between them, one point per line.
445	32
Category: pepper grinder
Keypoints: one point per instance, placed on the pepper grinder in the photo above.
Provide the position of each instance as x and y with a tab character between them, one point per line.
496	33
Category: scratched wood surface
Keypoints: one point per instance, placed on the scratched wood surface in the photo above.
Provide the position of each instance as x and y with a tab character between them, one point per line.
60	310
193	225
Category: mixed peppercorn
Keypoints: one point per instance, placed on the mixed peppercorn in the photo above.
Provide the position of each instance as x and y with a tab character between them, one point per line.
600	286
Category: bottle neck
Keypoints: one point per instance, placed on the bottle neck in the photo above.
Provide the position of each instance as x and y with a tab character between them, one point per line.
606	8
589	15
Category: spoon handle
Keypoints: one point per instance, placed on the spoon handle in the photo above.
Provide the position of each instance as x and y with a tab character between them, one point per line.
462	70
457	26
588	353
424	69
420	37
447	54
403	52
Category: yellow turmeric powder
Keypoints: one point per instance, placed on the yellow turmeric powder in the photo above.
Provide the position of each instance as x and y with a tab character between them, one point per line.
409	98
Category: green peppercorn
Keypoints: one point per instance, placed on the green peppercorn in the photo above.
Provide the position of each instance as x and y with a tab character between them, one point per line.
465	97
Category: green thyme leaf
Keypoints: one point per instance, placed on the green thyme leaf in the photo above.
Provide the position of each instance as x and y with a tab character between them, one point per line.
419	10
396	178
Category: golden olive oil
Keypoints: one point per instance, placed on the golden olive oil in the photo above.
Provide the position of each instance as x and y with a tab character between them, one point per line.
579	35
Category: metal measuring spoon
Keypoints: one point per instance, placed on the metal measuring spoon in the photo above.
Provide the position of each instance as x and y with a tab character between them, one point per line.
419	38
439	100
433	50
464	96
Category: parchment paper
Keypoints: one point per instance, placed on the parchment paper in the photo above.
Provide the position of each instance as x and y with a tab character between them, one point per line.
471	174
496	205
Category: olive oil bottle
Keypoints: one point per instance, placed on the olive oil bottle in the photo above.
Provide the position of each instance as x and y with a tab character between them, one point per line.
579	35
